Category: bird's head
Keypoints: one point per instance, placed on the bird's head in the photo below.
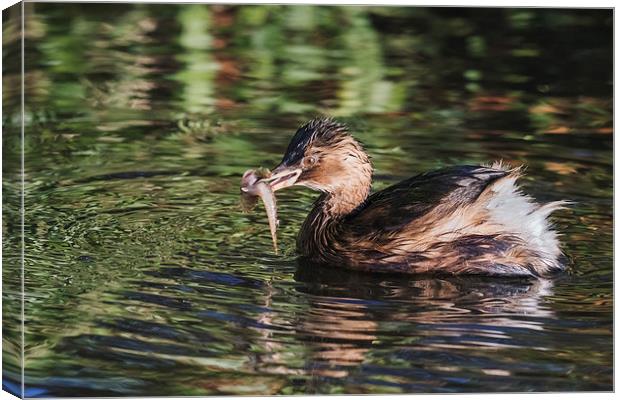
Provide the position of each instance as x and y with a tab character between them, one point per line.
322	156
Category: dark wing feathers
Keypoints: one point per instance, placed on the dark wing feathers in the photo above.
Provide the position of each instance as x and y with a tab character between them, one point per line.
398	205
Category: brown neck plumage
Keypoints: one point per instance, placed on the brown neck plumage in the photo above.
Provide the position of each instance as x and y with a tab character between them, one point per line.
321	226
342	202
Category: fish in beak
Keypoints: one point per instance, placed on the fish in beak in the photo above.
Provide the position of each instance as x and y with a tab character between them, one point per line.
252	187
282	177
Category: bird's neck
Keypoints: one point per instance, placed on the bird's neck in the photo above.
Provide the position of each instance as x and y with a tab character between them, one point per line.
340	203
318	235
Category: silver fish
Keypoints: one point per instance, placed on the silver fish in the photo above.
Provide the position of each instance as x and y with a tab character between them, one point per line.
251	189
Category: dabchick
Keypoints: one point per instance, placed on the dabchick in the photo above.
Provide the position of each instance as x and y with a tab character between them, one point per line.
457	220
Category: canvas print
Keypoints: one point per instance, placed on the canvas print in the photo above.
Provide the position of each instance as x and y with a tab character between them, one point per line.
227	199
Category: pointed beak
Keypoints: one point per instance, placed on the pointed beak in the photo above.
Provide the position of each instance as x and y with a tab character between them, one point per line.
283	177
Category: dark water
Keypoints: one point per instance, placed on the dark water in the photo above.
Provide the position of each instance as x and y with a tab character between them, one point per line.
143	277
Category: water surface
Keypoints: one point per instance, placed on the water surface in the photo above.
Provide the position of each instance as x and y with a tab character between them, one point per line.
143	276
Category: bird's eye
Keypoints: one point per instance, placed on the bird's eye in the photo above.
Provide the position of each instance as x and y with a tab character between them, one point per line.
311	160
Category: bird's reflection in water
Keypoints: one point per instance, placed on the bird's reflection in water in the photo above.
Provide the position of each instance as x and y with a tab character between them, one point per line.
352	314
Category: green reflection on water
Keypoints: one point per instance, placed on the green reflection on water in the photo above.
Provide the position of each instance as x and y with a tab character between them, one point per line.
144	277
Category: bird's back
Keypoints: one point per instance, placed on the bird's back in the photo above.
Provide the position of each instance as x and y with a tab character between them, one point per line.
465	219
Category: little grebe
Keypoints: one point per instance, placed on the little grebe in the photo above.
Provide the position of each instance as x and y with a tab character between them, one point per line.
456	220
